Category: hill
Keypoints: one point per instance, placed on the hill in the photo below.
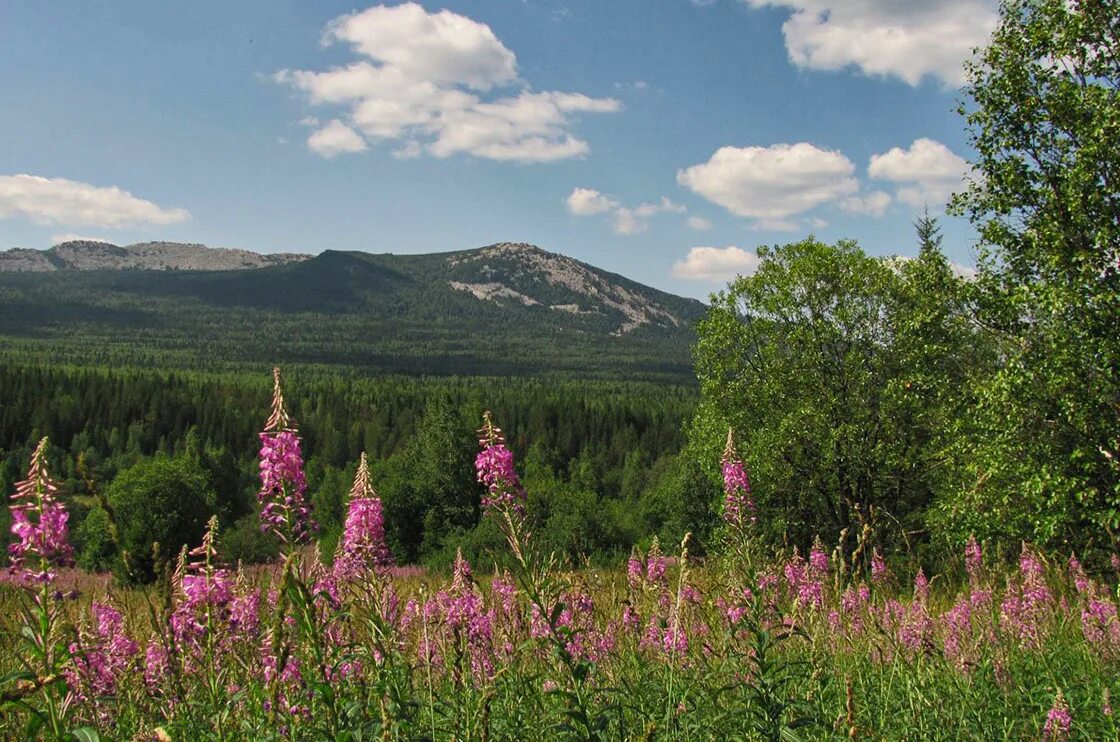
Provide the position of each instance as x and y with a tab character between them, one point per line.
504	309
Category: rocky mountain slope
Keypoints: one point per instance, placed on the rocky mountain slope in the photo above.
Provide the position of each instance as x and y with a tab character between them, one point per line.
502	309
87	255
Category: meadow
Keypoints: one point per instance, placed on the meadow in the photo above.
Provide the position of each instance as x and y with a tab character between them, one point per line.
745	643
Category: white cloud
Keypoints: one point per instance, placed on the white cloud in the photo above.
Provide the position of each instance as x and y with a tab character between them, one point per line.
441	47
588	201
908	39
817	223
61	201
928	172
423	83
716	264
872	204
625	219
699	223
772	183
57	239
335	138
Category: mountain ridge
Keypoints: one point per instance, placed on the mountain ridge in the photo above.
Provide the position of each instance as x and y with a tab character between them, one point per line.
506	308
84	255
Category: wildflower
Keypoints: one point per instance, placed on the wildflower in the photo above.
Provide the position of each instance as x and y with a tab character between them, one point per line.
285	510
494	465
1077	574
1100	625
1058	720
738	506
202	583
363	546
460	621
818	559
804	582
39	523
105	657
656	563
635	571
973	559
921	586
156	664
878	568
1025	606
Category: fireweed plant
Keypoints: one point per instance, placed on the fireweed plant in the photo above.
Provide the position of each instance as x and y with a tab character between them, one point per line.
42	543
746	644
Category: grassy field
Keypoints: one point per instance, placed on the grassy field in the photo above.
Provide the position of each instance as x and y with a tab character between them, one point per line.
666	648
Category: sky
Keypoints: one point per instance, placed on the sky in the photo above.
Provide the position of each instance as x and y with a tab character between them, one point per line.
661	139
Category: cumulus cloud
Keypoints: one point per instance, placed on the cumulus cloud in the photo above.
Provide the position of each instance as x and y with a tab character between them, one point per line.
625	219
772	183
927	172
335	138
908	39
61	201
441	47
716	264
588	201
427	81
699	223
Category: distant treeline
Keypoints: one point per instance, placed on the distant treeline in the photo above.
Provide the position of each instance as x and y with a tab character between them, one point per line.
597	456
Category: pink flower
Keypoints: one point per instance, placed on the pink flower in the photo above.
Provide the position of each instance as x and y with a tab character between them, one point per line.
285	510
494	465
818	559
738	507
1058	720
973	559
104	655
1077	574
635	571
878	568
1026	605
39	523
363	546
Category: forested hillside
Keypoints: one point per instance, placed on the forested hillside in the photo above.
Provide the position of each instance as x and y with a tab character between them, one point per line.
597	454
507	309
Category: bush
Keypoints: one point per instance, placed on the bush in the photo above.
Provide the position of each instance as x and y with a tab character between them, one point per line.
160	500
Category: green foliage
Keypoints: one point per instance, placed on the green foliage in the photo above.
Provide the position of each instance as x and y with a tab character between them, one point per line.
842	375
244	542
610	442
1043	110
161	500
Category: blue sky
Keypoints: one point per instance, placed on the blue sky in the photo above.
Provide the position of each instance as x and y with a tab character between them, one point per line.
661	139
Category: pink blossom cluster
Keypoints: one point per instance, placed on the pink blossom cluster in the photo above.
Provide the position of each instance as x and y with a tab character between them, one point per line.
39	524
459	626
650	571
1058	721
285	510
1027	604
494	466
103	655
805	582
738	505
363	546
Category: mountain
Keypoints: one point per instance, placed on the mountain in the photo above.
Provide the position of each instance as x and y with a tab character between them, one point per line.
504	309
88	255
